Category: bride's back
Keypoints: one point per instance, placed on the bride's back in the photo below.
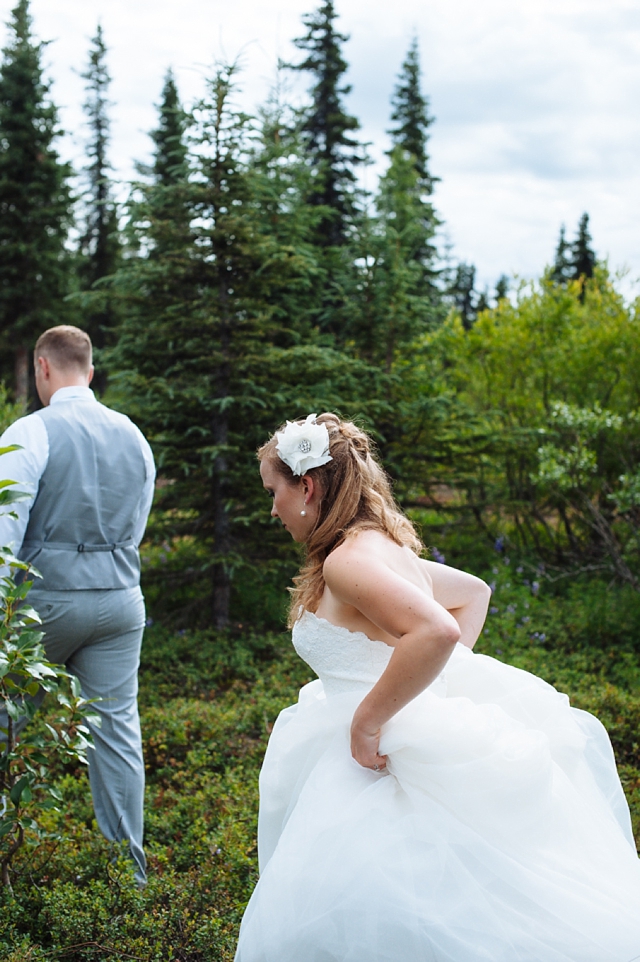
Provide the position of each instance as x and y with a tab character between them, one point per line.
359	550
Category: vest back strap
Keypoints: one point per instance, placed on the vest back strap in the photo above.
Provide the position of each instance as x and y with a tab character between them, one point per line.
80	548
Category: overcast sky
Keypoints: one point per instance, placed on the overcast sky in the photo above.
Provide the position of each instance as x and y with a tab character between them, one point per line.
536	101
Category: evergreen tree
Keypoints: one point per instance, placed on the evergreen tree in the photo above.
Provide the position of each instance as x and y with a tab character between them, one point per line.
170	172
100	246
583	258
562	270
170	156
395	299
328	127
483	301
410	112
210	348
502	288
575	261
35	204
411	116
464	295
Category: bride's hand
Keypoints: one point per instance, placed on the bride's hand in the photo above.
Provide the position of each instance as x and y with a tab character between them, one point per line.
364	747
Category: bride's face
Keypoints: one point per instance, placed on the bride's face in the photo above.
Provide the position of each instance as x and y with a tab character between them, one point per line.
289	500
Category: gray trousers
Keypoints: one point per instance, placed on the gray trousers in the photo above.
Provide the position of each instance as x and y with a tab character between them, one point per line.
97	634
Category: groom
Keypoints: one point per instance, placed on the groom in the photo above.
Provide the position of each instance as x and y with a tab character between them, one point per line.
91	474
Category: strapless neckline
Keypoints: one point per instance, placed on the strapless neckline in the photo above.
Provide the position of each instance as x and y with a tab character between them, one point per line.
345	632
344	660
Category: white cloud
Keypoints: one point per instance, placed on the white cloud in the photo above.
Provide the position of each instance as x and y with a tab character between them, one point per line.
535	101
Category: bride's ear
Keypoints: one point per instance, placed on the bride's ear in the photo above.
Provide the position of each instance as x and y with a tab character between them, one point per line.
308	486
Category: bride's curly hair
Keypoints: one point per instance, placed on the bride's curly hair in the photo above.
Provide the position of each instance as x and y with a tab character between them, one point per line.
355	495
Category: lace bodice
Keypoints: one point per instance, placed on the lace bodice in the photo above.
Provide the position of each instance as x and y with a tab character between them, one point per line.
343	660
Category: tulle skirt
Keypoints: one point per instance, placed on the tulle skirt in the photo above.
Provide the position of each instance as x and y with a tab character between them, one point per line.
500	833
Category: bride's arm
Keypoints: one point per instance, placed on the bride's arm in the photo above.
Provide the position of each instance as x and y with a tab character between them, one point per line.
425	631
464	596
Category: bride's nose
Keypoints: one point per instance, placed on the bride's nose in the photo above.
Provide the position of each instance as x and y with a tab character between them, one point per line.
274	513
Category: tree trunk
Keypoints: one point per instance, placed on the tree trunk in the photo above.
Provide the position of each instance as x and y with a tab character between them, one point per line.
22	375
221	580
220	432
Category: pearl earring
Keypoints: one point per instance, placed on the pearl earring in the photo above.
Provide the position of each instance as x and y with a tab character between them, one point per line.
303	513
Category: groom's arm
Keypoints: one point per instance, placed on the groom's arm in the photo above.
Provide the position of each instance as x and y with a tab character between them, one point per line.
146	496
26	467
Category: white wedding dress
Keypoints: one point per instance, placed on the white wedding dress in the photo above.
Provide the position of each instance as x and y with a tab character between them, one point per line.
501	832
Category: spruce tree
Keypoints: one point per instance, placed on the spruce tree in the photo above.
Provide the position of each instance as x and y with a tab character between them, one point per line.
562	270
100	246
205	324
411	117
170	155
502	288
575	261
328	127
35	204
583	258
409	137
395	298
464	295
170	172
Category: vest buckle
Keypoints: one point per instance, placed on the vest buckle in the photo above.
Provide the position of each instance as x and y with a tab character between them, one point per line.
80	548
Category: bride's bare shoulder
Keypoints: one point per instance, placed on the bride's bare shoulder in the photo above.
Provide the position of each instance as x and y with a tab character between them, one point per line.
365	548
366	541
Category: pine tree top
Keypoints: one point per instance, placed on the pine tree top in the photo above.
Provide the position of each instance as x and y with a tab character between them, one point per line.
327	124
170	155
411	114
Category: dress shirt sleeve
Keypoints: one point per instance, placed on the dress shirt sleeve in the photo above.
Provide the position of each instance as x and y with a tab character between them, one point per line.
25	466
147	492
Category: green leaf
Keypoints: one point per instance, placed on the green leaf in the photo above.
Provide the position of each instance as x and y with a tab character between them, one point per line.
12	497
20	786
29	823
27	611
41	670
14	710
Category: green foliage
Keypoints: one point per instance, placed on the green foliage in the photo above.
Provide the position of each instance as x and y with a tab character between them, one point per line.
26	789
546	387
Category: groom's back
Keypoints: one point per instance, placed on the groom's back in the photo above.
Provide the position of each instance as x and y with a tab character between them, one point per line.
82	522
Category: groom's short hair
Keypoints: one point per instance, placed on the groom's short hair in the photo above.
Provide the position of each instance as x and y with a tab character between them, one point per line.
65	347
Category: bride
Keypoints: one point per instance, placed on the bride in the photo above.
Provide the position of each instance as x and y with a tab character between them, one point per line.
421	803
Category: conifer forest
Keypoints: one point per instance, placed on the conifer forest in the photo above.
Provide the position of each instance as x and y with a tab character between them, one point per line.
247	278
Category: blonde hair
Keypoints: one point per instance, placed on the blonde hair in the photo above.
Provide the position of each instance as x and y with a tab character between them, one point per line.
355	495
66	347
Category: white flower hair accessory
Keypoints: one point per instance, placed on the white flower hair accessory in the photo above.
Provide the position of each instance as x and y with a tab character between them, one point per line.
304	446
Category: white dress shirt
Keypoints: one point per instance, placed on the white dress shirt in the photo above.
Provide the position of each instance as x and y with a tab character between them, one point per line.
27	466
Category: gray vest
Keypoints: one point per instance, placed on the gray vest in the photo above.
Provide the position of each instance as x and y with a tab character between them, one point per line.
82	519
